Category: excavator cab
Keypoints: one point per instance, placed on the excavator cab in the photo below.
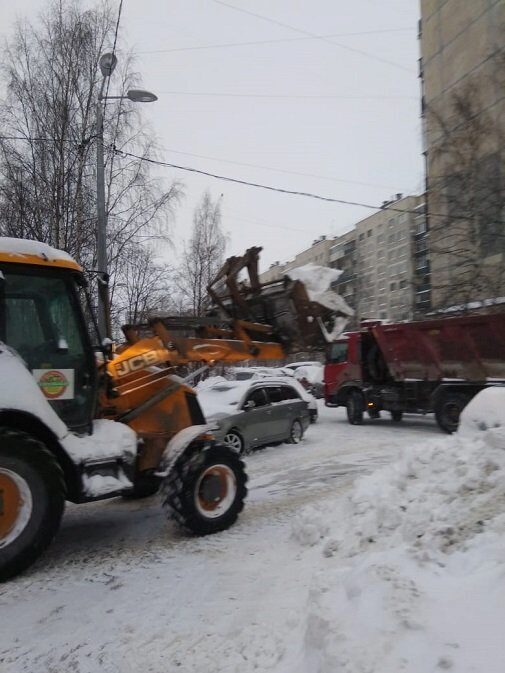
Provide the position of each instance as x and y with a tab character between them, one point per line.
42	320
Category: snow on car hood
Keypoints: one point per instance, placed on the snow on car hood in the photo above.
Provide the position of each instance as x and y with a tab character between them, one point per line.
222	399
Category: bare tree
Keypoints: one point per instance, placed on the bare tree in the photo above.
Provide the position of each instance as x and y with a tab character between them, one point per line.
144	286
203	255
48	178
467	199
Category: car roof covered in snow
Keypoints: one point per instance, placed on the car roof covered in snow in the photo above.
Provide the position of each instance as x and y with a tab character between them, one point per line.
22	251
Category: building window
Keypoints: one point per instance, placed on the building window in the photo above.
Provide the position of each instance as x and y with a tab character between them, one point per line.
369	233
362	237
422	261
392	286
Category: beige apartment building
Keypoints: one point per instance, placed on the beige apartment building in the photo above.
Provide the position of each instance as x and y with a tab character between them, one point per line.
391	265
462	70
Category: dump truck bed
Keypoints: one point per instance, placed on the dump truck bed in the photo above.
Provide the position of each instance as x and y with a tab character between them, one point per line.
466	348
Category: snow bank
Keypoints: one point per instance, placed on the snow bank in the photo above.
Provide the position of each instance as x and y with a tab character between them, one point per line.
413	561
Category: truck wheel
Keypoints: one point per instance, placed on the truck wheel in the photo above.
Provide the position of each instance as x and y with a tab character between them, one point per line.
396	416
355	407
205	489
448	411
32	500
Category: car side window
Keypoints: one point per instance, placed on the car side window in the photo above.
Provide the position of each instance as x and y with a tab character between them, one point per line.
257	396
289	393
275	394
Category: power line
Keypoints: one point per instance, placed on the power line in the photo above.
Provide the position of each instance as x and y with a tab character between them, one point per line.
313	35
286	96
281	190
253	43
279	170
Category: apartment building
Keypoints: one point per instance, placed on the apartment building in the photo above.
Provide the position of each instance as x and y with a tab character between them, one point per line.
462	60
390	262
342	255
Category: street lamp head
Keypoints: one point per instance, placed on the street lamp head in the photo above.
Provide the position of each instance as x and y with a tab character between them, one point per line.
107	64
141	96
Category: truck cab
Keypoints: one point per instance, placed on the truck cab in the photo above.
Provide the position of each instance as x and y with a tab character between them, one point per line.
342	368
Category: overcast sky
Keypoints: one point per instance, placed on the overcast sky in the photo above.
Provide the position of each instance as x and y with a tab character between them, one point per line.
337	116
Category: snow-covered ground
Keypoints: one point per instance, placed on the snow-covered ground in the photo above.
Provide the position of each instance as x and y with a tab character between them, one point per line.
341	561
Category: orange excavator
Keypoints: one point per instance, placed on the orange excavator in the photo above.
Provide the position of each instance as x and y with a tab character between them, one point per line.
72	429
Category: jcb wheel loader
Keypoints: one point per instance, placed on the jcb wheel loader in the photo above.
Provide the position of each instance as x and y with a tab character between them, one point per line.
72	429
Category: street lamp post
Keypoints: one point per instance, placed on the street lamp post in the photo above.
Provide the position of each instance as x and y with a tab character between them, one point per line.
107	64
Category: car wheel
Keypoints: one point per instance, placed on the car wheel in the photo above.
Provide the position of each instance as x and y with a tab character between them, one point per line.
296	433
396	416
234	441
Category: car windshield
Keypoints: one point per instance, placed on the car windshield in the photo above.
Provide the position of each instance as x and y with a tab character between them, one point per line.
223	398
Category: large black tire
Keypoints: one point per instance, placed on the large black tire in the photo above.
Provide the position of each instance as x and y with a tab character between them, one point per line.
396	416
206	489
295	432
32	500
448	410
355	407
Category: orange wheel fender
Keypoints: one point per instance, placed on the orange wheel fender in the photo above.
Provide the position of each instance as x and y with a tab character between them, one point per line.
178	444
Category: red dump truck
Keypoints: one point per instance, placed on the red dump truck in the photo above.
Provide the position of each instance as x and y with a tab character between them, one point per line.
430	366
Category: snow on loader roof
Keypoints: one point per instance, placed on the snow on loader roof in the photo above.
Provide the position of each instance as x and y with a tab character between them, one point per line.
34	252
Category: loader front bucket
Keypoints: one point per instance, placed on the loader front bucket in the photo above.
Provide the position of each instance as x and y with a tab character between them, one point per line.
297	318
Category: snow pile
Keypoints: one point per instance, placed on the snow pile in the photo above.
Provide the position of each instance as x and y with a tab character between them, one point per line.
415	559
108	440
209	382
317	281
313	373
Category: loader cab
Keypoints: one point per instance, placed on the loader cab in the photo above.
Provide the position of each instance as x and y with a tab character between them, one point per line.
41	318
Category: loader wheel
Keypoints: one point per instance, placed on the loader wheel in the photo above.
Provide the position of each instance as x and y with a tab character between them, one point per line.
355	407
448	411
32	499
206	488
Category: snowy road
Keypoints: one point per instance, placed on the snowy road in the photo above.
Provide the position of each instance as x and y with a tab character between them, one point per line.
121	590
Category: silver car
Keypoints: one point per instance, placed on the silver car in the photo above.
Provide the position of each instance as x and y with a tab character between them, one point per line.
248	414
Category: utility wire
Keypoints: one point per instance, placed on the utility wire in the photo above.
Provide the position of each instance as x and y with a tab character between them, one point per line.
314	35
253	43
286	96
292	192
279	170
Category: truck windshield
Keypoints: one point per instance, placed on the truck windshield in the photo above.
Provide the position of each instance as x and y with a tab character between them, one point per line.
338	353
43	323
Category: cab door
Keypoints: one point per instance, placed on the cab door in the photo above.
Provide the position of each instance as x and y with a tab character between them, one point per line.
43	323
